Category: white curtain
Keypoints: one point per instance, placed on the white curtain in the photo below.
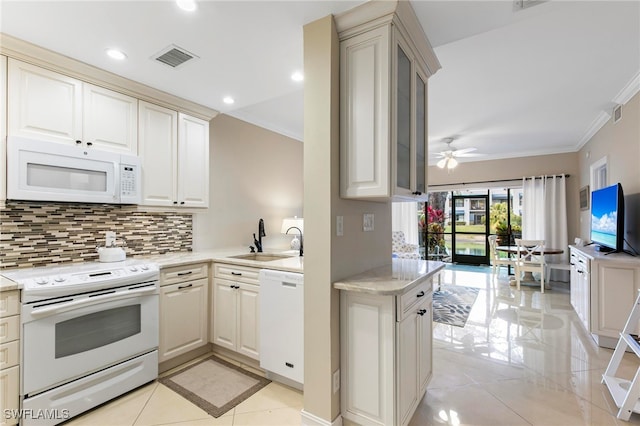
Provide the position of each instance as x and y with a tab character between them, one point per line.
544	216
404	217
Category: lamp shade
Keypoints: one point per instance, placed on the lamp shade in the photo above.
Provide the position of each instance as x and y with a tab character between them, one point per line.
288	222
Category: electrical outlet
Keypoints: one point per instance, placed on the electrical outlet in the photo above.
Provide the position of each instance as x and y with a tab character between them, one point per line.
367	222
336	380
339	226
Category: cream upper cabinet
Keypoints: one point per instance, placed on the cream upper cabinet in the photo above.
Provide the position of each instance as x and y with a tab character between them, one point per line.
158	132
383	107
193	161
174	149
110	120
3	127
46	105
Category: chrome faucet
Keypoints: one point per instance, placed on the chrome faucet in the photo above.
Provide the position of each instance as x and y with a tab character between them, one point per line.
295	227
261	234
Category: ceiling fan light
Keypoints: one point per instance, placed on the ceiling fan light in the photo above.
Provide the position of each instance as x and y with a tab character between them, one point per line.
442	163
452	163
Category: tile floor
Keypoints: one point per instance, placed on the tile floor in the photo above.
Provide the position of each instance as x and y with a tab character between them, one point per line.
522	359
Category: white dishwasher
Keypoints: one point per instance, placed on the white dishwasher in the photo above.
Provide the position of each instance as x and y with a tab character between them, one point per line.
282	324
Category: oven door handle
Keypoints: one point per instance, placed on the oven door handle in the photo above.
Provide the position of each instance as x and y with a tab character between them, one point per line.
89	301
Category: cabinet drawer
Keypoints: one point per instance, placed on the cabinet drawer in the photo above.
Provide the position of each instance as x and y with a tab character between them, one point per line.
9	329
179	274
412	297
9	354
9	303
236	273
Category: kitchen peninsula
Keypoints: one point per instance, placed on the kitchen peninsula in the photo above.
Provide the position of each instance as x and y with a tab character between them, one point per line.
386	319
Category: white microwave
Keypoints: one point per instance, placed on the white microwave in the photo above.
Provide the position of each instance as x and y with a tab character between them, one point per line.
49	171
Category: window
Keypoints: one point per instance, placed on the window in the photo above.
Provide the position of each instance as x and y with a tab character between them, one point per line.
599	174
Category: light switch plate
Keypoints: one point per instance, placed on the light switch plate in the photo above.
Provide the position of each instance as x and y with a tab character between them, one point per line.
339	226
367	222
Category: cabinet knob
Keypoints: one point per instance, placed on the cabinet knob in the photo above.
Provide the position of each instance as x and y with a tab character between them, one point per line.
421	312
78	142
417	193
181	202
175	202
89	143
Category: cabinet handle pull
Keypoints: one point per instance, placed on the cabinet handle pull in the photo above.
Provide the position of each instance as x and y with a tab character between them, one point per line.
181	202
78	142
420	294
417	193
180	274
235	286
89	143
184	286
239	274
421	312
175	202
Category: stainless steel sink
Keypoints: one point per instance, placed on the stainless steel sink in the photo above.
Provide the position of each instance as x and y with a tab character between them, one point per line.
259	257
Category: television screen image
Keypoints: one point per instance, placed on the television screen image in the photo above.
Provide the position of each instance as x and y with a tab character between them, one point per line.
607	217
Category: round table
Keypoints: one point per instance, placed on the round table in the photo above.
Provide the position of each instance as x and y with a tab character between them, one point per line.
528	275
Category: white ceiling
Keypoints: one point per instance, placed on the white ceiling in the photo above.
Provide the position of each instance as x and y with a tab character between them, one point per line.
513	83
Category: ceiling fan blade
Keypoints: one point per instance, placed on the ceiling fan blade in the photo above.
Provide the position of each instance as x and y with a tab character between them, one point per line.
470	155
464	151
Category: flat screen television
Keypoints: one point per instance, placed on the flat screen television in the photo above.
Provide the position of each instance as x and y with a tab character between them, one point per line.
607	218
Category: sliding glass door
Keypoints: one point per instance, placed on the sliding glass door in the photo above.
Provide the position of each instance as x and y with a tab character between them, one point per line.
470	228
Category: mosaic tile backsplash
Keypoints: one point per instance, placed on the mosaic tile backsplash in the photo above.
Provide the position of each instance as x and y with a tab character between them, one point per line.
41	234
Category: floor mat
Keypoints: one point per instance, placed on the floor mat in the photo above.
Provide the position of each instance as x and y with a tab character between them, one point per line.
452	304
214	385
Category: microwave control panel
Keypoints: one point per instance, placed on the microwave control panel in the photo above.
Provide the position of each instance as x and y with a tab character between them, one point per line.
128	184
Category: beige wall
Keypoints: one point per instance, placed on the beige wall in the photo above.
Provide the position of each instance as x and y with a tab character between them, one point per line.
254	173
329	258
516	168
620	143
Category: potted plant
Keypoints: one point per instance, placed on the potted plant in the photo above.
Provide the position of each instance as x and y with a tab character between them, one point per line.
502	232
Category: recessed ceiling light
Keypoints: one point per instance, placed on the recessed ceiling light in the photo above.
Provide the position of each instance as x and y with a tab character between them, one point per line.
297	76
188	5
228	100
116	54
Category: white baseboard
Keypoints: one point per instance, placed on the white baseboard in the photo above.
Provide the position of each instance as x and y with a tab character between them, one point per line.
309	419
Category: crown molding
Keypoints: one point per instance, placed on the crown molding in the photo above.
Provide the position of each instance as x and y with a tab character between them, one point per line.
628	91
596	125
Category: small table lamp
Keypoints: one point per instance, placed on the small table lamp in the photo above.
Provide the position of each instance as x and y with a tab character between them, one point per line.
295	222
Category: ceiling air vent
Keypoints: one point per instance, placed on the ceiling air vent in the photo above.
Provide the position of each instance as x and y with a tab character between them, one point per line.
174	56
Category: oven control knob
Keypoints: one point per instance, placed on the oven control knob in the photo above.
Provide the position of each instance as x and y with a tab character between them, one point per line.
41	281
144	267
59	279
133	269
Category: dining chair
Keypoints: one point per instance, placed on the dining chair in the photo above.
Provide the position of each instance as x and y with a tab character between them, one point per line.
530	258
496	260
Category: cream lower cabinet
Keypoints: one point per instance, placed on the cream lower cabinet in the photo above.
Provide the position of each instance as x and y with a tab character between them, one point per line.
184	313
174	149
9	357
581	287
613	281
386	356
49	106
236	309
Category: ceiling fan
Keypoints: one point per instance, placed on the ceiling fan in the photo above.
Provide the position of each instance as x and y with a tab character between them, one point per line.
448	156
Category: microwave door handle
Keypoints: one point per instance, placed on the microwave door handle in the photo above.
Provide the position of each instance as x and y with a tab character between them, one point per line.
110	297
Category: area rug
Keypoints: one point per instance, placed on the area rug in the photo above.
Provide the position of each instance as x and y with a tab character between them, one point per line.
214	384
452	304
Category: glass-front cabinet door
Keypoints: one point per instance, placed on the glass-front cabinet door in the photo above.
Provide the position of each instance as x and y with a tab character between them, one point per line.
410	147
403	121
421	134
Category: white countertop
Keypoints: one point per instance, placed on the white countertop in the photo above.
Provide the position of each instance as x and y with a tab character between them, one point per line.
592	253
395	278
292	263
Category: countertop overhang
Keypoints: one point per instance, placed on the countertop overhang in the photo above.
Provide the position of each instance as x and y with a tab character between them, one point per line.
391	279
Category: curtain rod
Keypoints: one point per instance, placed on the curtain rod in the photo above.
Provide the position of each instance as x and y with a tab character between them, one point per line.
493	181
